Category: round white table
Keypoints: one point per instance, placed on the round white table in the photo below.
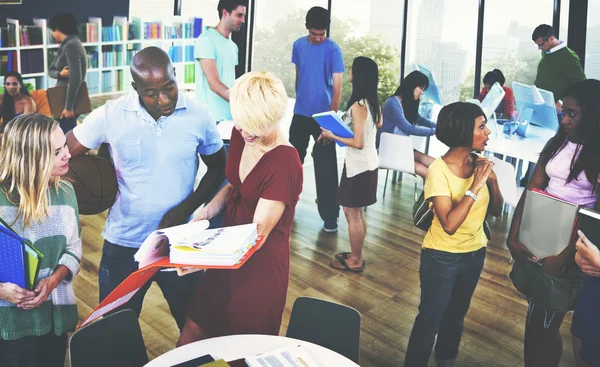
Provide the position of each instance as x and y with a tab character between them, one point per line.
235	347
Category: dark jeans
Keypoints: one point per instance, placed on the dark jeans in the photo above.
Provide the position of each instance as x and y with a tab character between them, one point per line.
117	263
68	124
448	281
325	164
33	351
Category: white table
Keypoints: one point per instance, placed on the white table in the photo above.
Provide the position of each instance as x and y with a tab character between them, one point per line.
240	346
527	149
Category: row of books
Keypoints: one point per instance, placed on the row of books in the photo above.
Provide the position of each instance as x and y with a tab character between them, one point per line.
32	61
92	60
112	58
8	36
31	35
189	74
8	62
158	30
113	82
88	32
112	33
179	53
129	56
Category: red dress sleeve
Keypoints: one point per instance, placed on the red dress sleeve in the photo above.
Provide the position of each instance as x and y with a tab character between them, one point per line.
286	177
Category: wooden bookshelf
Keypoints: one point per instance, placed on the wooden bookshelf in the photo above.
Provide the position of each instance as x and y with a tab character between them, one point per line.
109	48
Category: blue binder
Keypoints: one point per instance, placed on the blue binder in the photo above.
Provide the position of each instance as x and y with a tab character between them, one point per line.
12	258
331	121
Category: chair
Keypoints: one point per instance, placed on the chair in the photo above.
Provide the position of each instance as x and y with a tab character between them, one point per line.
396	153
507	182
115	340
330	325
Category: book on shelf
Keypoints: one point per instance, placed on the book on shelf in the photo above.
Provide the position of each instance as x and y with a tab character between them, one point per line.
8	62
197	27
31	35
548	224
32	61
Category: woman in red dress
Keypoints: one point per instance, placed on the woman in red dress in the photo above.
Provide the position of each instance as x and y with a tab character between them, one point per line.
265	181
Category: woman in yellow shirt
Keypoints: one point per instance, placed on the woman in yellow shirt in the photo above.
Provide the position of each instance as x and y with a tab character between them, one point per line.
462	189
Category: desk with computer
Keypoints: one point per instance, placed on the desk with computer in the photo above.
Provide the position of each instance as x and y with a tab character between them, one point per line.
519	139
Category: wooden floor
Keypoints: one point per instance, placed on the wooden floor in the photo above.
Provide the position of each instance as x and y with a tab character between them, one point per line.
386	293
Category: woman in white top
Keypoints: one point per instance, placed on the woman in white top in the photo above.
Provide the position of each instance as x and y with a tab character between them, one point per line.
358	186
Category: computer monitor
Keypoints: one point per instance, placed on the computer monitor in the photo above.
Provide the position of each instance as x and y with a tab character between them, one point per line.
535	105
492	99
432	94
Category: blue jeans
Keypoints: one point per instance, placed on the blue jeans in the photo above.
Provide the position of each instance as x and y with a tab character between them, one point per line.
117	264
448	281
33	351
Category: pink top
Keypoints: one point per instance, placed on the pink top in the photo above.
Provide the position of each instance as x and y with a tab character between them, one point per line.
579	191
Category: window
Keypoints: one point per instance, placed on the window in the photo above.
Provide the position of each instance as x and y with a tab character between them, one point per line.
592	43
371	28
564	20
278	24
442	36
507	43
205	9
151	10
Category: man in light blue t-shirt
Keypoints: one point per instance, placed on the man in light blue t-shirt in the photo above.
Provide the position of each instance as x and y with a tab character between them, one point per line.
319	69
216	58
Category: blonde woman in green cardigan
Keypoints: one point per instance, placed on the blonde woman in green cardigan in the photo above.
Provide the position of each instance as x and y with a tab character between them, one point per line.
42	208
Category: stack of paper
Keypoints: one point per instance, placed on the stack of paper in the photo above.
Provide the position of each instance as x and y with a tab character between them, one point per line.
222	246
291	356
194	244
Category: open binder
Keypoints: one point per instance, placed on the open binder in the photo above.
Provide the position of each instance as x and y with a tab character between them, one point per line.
154	255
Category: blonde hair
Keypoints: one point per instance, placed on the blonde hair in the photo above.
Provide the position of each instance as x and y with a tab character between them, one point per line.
258	101
26	163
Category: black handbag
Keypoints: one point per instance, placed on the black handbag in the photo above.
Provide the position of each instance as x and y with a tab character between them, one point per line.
422	214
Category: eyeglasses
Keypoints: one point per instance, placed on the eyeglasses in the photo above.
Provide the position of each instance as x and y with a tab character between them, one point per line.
539	45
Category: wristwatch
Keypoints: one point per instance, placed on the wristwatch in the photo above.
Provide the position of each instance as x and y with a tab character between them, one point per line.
471	194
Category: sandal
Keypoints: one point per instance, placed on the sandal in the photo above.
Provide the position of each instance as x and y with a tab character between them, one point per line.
340	264
342	255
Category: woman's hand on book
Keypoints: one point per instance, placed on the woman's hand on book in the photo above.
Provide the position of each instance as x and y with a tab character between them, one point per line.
14	294
588	256
202	214
326	136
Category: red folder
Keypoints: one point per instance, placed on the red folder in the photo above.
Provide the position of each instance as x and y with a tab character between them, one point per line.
137	279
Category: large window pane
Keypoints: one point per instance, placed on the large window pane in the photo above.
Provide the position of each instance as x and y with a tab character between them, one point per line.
151	10
278	24
592	44
507	43
564	20
442	36
371	28
205	9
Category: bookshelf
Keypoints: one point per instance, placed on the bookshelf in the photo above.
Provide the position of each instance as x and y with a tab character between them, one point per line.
30	49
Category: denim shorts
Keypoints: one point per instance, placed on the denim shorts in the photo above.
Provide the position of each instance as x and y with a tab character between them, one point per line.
558	294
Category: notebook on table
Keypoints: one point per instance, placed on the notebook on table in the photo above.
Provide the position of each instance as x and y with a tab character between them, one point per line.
589	224
331	121
548	223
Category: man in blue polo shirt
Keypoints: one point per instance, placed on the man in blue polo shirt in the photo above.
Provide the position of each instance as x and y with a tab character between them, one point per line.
154	136
319	69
